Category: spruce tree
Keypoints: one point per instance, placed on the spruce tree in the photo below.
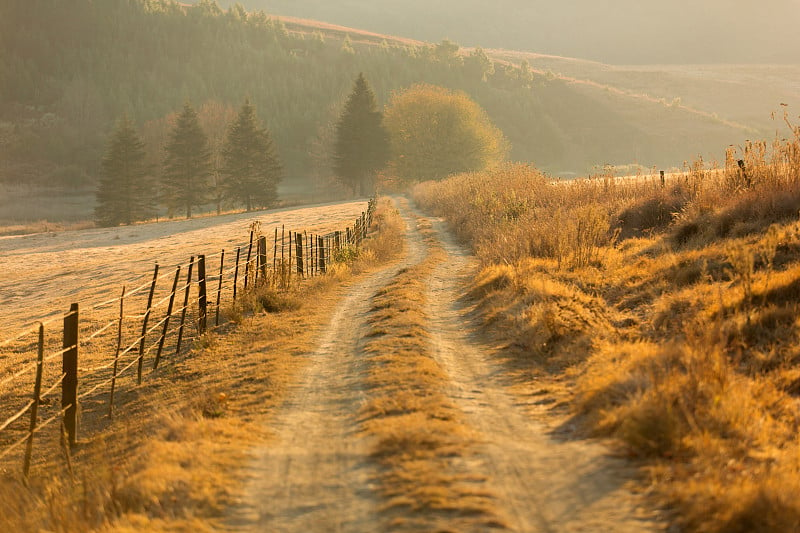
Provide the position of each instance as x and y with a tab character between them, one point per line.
250	167
187	166
125	190
361	147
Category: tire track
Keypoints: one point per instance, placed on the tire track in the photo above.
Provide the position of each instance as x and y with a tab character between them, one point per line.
545	484
315	475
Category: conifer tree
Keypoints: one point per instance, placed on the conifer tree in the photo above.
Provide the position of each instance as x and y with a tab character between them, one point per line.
187	166
250	167
361	146
125	190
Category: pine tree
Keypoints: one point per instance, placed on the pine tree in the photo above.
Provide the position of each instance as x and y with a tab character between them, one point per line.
125	190
250	168
361	147
187	166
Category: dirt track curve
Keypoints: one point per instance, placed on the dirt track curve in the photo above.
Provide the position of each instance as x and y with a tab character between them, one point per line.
316	474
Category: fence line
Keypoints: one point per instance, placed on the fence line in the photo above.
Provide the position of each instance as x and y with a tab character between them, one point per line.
312	255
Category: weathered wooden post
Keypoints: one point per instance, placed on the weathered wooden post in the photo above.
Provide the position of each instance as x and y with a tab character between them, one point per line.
364	224
202	299
262	257
247	262
69	367
185	308
37	391
236	273
167	317
146	318
298	239
323	268
663	182
275	254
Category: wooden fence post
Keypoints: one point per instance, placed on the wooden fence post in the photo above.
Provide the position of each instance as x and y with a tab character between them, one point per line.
364	224
69	367
662	179
202	299
275	254
37	391
146	318
298	240
289	269
236	272
310	255
262	257
116	355
219	286
247	262
166	319
186	292
323	268
347	236
337	241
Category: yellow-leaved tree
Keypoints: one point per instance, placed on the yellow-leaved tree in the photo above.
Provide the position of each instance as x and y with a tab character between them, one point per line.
435	132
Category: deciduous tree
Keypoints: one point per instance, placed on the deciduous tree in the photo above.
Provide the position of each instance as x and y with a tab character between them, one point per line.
435	132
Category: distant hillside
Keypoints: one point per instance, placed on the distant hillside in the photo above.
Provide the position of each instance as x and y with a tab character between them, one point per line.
617	32
69	69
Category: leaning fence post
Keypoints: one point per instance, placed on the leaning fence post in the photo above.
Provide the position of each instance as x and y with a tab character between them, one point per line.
186	292
69	368
202	300
364	224
247	263
219	286
37	391
166	319
116	354
146	318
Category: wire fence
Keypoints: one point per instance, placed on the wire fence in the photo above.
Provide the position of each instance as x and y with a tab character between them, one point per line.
99	344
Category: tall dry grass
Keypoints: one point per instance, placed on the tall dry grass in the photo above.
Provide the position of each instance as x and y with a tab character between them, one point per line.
673	311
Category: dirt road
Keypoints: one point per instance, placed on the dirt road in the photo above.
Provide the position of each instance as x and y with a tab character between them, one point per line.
316	474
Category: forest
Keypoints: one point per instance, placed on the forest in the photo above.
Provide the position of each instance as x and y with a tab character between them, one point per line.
70	69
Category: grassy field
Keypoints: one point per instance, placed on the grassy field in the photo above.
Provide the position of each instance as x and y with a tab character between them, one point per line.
173	456
665	317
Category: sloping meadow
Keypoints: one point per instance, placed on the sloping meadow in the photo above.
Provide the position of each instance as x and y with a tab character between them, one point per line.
670	309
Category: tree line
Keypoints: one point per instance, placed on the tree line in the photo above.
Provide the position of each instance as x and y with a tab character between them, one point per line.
426	132
246	167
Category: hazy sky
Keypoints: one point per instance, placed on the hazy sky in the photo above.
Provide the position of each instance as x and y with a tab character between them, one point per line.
614	31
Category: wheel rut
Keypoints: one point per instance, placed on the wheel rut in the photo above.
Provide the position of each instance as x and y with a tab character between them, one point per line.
315	473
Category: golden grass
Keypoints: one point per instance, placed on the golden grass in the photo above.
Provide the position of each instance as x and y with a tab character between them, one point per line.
171	460
421	440
669	317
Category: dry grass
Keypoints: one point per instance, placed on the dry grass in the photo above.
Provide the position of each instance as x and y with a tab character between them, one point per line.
171	460
671	314
421	441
